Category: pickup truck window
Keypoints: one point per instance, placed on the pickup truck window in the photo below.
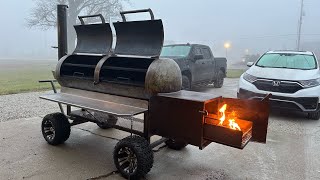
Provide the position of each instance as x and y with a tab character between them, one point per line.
175	51
206	53
197	51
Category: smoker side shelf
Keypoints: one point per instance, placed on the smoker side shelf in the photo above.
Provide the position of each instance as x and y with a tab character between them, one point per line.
108	107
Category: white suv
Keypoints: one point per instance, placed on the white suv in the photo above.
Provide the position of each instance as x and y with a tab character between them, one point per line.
292	77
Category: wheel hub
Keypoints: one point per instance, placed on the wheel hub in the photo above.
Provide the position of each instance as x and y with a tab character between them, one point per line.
49	130
127	160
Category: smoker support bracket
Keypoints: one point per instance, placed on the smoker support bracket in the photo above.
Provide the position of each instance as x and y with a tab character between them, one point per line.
52	81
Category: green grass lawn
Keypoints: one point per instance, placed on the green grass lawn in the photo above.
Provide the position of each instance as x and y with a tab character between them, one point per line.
235	73
18	76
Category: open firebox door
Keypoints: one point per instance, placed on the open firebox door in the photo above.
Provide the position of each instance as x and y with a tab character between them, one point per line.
199	119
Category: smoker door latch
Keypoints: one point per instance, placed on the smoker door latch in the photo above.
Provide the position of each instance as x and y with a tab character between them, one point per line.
205	112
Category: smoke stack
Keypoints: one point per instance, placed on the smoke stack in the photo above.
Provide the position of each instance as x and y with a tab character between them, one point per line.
62	30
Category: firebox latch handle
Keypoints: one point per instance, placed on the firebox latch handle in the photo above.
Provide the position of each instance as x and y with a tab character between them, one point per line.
205	112
89	16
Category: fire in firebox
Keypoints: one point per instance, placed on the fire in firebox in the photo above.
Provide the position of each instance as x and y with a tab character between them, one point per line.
232	122
234	132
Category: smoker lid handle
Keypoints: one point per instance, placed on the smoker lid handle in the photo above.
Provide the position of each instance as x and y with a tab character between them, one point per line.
122	13
89	16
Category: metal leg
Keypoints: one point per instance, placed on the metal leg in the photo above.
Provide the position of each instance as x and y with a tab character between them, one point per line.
131	119
146	127
55	91
68	110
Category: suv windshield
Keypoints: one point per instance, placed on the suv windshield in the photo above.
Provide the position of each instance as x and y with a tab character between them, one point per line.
287	60
175	51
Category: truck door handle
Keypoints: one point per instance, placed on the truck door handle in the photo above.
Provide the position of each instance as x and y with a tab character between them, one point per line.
203	63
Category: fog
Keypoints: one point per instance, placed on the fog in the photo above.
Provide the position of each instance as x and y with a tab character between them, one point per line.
250	26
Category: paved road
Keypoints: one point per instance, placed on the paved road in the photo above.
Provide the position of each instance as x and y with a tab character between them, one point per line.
292	150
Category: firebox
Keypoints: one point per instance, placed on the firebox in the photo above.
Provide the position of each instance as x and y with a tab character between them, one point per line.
200	118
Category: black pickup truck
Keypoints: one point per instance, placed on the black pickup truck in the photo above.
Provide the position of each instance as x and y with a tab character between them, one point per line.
198	65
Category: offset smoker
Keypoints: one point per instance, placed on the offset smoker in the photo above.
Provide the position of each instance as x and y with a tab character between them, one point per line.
95	67
105	84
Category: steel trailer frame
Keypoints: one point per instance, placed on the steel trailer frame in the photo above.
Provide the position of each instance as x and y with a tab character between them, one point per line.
78	119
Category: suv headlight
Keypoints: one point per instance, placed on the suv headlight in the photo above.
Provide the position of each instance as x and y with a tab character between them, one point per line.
249	78
310	83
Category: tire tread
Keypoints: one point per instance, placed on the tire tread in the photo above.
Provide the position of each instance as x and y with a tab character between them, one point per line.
143	152
62	128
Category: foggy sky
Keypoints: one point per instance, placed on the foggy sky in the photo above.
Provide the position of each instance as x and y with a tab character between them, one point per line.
248	24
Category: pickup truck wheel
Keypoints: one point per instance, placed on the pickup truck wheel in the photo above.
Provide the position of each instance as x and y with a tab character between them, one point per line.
186	85
218	83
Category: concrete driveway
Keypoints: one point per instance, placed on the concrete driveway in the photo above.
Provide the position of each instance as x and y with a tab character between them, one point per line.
292	150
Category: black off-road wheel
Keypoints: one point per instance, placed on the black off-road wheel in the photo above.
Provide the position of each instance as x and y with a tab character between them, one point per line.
218	83
133	157
108	123
55	128
314	115
175	145
186	84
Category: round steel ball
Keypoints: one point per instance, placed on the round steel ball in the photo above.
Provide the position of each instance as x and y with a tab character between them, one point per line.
163	76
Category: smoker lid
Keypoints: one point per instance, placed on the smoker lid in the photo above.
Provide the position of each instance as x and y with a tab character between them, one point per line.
93	38
190	95
139	38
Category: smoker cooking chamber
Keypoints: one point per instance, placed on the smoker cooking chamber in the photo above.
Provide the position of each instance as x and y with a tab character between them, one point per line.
94	66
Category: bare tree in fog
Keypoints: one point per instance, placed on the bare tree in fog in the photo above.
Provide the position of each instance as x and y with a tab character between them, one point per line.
44	14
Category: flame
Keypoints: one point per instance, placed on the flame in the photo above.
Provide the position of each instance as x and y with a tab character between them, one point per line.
223	117
232	123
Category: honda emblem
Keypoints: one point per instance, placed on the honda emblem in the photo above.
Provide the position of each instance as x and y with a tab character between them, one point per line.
275	83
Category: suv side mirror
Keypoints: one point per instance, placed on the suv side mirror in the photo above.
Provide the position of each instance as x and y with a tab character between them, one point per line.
249	64
198	56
